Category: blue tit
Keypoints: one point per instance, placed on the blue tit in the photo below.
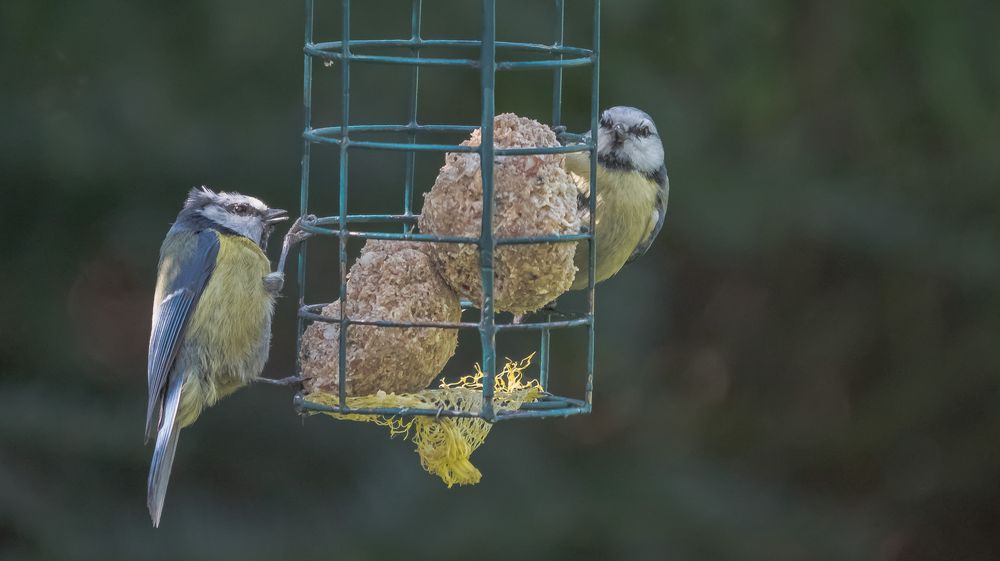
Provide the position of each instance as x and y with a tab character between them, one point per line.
212	309
632	191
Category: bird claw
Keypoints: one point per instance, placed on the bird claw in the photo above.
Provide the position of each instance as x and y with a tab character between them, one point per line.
296	233
289	381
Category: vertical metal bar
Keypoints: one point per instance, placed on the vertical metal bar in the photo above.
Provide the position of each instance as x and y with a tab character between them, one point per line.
304	186
345	120
557	74
557	83
415	15
487	245
591	240
543	356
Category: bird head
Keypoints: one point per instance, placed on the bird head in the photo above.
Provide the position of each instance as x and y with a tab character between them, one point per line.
627	139
239	214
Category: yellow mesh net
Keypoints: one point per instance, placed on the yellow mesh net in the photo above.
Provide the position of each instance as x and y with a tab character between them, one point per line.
445	444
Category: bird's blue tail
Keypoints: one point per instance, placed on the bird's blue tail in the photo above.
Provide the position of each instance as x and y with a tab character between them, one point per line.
163	454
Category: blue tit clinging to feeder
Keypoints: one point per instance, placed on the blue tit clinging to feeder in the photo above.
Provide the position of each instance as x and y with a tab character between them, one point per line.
632	189
212	311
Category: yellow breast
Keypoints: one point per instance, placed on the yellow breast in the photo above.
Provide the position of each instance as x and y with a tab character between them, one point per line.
625	203
233	314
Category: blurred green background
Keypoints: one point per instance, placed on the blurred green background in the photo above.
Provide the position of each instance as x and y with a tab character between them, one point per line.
804	367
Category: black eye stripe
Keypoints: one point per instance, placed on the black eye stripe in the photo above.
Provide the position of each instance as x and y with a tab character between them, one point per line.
641	131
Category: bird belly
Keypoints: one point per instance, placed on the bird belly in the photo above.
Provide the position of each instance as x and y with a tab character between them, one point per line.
229	334
625	202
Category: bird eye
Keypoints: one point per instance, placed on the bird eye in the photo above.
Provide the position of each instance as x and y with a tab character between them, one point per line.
239	208
644	131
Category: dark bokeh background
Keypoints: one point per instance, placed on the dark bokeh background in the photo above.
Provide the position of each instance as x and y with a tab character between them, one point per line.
804	367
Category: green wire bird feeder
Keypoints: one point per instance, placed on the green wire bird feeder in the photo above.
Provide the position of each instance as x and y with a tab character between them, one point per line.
548	58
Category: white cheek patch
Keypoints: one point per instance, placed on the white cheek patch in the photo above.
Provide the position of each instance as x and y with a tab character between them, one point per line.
646	154
249	226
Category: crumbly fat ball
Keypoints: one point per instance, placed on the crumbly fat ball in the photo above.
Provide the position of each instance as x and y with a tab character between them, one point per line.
534	196
391	280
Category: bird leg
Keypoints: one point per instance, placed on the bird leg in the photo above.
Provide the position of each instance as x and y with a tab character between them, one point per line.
273	283
296	235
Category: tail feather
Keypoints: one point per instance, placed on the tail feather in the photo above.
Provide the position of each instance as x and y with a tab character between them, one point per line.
163	454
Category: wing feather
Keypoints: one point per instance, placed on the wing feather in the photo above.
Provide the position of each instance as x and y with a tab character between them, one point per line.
170	318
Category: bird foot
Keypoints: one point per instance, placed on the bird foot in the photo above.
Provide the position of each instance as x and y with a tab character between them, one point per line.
296	235
289	381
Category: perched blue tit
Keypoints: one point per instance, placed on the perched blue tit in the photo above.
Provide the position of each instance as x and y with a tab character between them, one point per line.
632	191
212	311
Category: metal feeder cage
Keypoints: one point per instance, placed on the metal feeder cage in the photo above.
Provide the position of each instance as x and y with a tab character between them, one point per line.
347	52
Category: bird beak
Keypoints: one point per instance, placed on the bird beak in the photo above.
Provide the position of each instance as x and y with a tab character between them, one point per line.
274	215
619	130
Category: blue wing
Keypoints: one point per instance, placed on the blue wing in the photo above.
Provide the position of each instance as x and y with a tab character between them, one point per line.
659	213
186	262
